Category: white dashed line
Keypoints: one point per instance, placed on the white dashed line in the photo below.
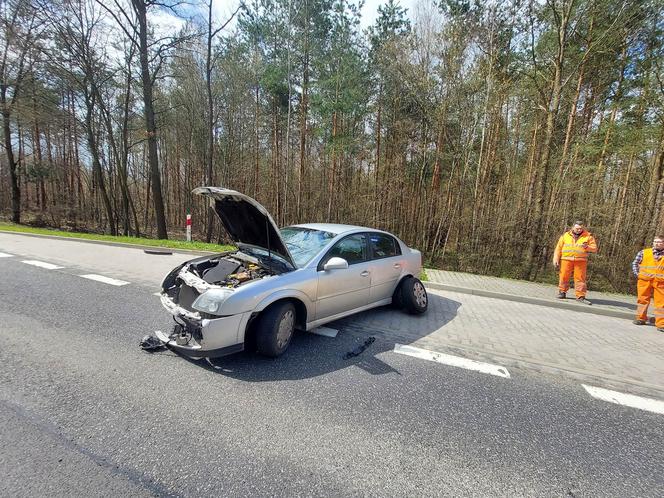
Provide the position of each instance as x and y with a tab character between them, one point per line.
157	294
41	264
648	404
453	361
5	255
325	331
106	280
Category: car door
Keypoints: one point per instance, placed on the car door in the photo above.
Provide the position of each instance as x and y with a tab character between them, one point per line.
386	265
344	289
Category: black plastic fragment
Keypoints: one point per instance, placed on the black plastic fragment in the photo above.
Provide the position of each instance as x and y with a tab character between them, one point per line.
360	349
160	252
151	343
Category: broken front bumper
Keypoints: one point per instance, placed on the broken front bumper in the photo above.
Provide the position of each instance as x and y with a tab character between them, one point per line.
198	337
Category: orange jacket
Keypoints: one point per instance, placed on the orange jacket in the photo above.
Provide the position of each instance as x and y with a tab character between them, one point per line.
574	250
650	269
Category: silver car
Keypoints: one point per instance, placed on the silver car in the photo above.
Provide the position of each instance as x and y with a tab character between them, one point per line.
299	277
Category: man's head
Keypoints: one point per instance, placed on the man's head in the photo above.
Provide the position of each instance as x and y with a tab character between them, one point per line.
658	242
578	227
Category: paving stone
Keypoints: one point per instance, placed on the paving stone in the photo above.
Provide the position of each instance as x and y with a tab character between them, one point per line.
594	344
621	302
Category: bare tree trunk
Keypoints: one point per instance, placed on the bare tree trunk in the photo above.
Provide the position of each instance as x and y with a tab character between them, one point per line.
552	111
209	180
90	103
256	149
655	194
301	177
11	162
150	123
598	180
377	167
333	171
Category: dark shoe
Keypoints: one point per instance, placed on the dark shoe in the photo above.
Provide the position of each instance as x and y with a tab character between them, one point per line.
583	300
639	322
562	295
660	329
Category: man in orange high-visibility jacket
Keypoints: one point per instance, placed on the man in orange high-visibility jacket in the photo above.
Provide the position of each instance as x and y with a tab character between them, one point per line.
648	266
571	254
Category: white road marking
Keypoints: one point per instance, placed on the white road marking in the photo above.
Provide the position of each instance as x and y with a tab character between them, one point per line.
325	331
454	361
106	280
157	294
5	255
41	264
648	404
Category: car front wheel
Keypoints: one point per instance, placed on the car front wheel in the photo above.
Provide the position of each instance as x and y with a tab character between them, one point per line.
275	329
414	296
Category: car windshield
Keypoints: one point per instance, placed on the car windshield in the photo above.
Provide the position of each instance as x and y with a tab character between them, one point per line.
305	243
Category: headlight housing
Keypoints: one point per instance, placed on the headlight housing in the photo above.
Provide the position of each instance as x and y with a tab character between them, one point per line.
211	300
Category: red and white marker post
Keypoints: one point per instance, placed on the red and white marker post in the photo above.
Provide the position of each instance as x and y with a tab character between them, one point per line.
188	228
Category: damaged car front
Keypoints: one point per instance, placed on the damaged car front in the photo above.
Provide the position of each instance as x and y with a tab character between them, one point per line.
213	299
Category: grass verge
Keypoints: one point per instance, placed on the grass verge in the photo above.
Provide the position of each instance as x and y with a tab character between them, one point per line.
170	244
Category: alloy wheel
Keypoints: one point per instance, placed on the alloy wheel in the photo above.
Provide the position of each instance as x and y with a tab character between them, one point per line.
420	294
285	328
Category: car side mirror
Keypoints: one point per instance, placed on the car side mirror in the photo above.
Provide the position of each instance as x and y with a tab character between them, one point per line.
335	264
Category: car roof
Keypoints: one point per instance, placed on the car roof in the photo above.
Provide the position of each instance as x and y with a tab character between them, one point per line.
336	228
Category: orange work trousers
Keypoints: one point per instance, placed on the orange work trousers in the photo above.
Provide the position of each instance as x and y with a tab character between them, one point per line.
648	289
579	269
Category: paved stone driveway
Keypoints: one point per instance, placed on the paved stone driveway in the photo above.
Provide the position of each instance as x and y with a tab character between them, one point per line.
508	286
609	349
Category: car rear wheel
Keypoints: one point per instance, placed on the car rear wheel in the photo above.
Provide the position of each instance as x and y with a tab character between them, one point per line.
414	296
397	299
275	329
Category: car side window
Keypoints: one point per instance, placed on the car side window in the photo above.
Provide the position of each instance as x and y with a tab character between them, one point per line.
383	246
351	248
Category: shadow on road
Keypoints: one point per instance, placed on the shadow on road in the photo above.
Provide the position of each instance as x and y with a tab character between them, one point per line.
617	304
311	355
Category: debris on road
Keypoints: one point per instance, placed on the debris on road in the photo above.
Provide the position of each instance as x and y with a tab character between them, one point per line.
160	252
360	349
151	343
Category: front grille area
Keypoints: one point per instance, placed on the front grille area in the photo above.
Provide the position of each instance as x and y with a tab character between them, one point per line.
186	326
186	297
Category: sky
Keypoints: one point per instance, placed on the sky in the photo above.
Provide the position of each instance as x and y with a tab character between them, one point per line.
224	8
370	10
166	23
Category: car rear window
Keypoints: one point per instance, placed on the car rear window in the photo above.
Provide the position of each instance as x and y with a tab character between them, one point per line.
383	246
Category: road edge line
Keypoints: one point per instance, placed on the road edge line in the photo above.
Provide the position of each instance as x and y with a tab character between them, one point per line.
453	361
624	399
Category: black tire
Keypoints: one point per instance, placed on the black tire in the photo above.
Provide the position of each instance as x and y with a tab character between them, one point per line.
275	329
414	296
397	300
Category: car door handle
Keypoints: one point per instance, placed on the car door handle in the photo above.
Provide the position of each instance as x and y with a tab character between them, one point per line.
397	265
365	273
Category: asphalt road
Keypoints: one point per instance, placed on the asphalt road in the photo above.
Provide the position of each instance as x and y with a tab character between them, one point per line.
83	411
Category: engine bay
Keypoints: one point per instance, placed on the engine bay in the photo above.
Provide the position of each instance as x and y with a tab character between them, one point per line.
227	271
185	283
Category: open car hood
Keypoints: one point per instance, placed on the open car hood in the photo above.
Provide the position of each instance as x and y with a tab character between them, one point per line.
246	221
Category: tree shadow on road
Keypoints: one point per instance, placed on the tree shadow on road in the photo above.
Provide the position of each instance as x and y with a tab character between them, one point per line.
310	355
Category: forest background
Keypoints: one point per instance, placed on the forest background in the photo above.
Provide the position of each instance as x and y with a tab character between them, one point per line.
475	131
